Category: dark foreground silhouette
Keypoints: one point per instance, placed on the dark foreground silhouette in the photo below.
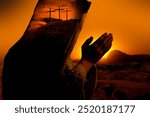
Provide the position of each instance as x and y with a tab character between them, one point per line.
35	67
129	80
38	65
32	67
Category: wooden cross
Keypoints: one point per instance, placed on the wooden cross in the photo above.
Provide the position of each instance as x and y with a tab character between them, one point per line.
50	12
59	11
67	13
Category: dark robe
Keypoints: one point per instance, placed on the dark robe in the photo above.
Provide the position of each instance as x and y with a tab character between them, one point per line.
34	68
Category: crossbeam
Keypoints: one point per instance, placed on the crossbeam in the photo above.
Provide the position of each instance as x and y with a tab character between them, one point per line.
50	12
59	11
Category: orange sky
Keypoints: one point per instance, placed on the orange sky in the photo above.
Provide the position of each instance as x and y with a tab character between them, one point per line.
128	20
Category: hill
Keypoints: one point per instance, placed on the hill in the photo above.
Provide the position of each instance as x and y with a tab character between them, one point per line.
118	57
122	76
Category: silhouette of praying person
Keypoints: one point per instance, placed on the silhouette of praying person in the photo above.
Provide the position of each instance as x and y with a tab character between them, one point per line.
38	66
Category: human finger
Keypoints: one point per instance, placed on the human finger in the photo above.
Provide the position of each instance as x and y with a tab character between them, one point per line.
107	41
100	39
87	42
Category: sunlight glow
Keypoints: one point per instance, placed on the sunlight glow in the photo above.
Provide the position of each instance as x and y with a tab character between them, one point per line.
107	54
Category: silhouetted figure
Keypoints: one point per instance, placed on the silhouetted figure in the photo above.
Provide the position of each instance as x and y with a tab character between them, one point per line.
38	65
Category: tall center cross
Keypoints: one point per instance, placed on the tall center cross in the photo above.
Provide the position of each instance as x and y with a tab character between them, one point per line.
59	11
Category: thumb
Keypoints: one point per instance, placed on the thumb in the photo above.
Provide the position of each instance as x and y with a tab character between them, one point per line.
87	42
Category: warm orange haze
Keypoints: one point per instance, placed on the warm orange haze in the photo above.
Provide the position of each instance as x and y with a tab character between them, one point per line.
38	64
128	20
